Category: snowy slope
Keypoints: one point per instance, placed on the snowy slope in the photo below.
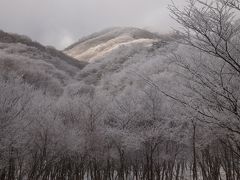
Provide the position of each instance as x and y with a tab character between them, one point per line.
42	67
116	55
95	46
112	58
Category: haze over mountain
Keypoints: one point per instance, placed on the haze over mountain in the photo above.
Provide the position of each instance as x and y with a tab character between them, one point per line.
61	22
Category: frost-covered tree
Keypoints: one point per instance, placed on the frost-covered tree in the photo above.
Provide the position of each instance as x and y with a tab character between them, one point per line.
208	77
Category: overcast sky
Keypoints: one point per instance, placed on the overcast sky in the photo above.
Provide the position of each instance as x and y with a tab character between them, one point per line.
61	22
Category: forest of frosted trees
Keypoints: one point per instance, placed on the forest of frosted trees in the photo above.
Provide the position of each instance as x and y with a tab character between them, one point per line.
176	124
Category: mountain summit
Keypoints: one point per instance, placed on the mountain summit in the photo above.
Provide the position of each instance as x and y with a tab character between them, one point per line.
97	45
114	54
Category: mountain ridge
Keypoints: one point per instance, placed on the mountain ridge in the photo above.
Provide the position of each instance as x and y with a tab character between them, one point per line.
89	47
42	67
115	53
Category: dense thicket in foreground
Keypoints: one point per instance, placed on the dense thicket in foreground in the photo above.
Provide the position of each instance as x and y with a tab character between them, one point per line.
182	122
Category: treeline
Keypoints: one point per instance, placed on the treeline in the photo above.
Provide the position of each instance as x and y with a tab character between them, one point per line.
134	136
181	124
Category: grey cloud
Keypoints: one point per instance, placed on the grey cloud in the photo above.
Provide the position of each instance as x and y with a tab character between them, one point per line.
60	22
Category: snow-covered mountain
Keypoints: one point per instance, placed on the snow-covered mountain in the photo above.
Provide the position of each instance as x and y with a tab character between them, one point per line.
98	45
42	67
116	54
109	60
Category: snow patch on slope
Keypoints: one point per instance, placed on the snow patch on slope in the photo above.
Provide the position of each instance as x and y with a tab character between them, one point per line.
97	45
